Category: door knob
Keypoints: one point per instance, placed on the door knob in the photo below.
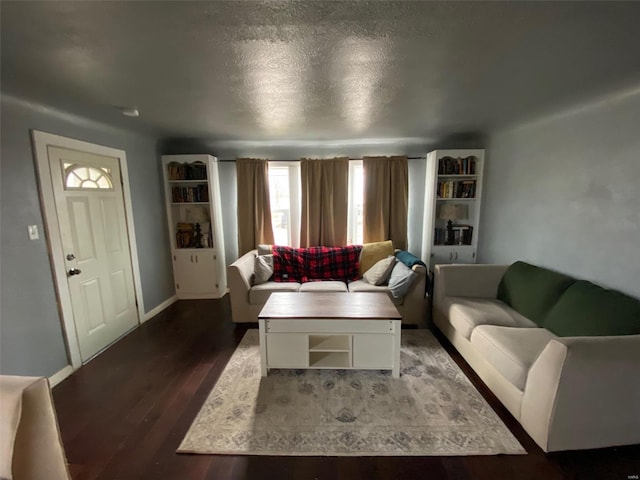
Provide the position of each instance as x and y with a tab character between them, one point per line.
74	271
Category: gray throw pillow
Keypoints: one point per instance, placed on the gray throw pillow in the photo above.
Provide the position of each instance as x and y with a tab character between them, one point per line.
400	280
265	249
263	269
379	273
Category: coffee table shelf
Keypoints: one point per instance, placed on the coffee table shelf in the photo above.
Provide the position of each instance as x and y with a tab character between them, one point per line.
329	343
330	360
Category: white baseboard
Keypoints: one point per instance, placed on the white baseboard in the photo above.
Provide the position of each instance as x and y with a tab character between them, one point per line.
166	304
57	377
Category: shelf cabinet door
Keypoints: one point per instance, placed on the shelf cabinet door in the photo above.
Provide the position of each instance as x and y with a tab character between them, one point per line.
446	254
287	350
195	272
464	255
372	350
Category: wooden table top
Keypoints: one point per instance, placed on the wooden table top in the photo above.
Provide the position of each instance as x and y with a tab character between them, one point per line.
358	305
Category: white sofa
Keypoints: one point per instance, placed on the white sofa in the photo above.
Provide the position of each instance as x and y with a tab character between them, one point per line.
30	443
567	392
247	300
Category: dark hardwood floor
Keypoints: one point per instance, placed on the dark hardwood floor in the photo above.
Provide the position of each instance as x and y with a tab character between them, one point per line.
123	415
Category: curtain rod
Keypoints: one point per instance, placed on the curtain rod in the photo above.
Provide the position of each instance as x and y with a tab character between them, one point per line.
297	159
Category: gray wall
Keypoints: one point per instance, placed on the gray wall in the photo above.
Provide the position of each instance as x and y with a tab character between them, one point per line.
564	192
31	341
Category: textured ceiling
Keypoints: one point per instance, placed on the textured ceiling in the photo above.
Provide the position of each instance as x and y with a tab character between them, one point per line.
317	70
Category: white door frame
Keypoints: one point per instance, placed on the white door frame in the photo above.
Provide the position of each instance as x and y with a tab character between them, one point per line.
41	141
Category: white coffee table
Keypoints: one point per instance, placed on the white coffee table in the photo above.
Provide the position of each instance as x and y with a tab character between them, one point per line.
330	330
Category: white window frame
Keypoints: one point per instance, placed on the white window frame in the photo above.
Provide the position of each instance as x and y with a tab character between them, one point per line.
352	228
295	199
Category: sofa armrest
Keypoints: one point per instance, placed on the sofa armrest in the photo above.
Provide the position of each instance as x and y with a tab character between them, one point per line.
239	275
30	442
584	392
480	281
414	303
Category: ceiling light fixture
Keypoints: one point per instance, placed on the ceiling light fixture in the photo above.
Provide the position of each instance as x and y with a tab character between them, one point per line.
130	111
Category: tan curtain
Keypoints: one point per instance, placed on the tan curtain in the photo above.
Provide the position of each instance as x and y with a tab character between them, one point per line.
325	185
254	207
386	196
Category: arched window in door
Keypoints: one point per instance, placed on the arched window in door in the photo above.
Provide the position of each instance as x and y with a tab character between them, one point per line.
81	177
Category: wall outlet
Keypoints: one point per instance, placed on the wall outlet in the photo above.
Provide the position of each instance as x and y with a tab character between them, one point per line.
33	232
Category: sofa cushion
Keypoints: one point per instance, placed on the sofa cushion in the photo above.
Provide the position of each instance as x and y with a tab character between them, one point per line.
511	351
259	294
263	269
324	286
380	272
401	279
362	286
373	252
466	313
532	291
586	309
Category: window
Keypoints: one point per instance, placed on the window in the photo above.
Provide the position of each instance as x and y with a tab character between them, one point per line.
284	195
80	177
355	230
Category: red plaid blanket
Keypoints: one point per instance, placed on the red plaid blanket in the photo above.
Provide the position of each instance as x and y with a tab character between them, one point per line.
288	264
316	263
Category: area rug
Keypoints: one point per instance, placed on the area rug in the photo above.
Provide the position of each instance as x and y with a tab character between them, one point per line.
432	409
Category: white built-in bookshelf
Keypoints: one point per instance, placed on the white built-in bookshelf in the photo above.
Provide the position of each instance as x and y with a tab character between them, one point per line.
453	191
194	217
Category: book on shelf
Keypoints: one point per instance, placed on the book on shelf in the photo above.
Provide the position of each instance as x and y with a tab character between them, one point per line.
184	234
456	189
197	193
457	166
187	171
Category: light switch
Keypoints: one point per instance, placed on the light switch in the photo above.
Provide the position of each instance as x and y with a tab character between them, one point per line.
33	232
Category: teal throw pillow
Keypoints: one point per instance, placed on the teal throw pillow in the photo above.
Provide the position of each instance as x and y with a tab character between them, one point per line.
409	259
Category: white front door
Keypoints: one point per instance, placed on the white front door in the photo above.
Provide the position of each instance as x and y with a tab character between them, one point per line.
91	215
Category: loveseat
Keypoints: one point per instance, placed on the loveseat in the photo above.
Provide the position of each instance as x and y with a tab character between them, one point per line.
248	298
562	355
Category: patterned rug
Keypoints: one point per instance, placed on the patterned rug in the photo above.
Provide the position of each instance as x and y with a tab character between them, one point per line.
432	409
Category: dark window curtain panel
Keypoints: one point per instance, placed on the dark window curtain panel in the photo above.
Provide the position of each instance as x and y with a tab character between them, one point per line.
254	206
386	198
325	185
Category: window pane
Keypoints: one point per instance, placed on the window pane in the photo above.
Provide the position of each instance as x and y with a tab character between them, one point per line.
80	177
356	201
280	198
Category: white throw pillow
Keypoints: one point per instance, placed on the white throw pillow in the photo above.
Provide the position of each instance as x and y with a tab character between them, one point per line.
263	269
400	280
379	273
